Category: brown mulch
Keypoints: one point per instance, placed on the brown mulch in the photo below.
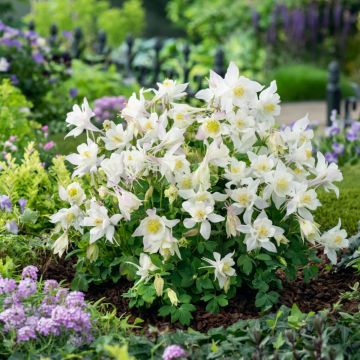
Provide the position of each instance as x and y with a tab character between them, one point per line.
316	295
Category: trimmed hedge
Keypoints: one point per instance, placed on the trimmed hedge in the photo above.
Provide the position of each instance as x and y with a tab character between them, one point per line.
304	82
347	207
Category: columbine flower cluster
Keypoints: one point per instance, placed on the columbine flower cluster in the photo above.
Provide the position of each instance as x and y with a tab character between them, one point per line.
341	143
31	311
108	107
180	179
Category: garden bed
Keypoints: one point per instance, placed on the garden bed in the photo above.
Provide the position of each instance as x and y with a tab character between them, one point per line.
316	295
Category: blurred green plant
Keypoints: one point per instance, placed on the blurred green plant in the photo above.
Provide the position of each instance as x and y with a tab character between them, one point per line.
91	16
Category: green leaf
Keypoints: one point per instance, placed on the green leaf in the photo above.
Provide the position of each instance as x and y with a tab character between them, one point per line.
29	217
263	257
80	282
245	262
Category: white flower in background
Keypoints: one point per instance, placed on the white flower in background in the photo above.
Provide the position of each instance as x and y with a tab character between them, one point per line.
258	233
240	121
302	155
86	160
202	214
236	90
4	65
261	164
309	230
215	86
116	138
182	114
145	268
73	194
171	140
113	168
128	202
134	162
155	230
100	222
168	91
235	172
326	174
232	220
61	244
299	132
217	153
184	181
302	200
67	218
135	108
80	118
223	268
172	164
268	105
334	239
280	183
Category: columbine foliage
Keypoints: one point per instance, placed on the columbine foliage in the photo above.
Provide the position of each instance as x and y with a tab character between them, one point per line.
193	202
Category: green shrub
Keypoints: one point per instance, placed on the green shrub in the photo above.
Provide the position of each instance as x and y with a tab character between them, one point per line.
90	16
304	82
347	207
14	111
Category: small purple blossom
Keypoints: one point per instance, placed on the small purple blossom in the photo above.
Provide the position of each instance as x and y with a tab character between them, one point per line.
12	227
46	326
73	92
5	203
173	352
26	333
14	80
22	203
13	317
338	148
7	285
38	58
75	299
49	145
107	107
331	157
352	135
50	285
26	288
30	272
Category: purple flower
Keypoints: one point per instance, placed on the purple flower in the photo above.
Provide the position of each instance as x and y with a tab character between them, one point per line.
47	305
30	272
47	327
38	58
7	285
50	285
107	107
338	148
26	288
331	157
26	333
13	317
45	128
352	135
5	203
73	92
14	80
75	299
355	126
22	203
173	352
71	318
12	227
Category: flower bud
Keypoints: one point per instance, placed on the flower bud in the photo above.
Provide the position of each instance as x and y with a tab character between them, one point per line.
92	252
309	230
191	232
172	296
171	193
159	285
149	193
102	191
106	125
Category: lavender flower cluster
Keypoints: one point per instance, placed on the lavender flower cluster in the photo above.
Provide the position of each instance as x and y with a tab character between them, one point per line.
108	107
32	311
342	141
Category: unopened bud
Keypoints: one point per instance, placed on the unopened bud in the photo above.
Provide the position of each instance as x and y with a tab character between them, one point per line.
172	296
159	285
92	252
149	193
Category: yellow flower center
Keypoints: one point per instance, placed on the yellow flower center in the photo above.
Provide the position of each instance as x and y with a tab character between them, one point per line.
226	267
263	231
282	184
148	125
72	192
117	139
70	217
243	198
98	221
202	197
186	183
235	169
167	83
86	154
308	153
200	214
212	126
179	116
269	107
153	226
179	164
263	166
239	91
240	123
338	239
306	198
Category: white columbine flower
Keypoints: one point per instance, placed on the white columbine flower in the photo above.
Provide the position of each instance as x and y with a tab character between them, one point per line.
333	240
135	108
168	90
268	104
67	218
235	172
261	164
74	194
100	222
258	233
223	268
116	138
128	202
113	168
144	268
154	229
80	118
201	213
86	160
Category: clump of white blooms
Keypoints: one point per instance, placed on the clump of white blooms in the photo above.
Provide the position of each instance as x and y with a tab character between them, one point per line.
224	167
